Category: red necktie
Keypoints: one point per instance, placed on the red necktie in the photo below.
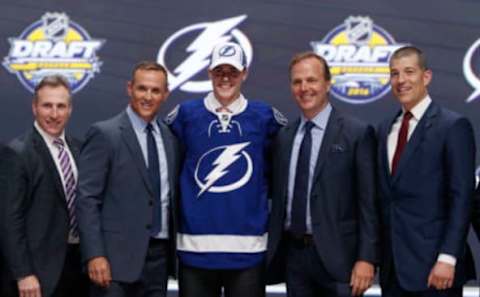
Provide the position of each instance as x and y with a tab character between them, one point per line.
402	140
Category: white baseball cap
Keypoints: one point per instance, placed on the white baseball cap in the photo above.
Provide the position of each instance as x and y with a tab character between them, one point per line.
227	53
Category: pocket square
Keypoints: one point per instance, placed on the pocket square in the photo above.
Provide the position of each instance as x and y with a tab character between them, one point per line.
337	148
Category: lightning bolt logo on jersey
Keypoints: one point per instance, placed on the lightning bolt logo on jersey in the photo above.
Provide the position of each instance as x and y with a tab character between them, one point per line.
223	164
224	208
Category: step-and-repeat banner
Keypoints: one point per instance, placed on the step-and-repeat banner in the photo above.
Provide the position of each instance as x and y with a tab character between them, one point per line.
96	43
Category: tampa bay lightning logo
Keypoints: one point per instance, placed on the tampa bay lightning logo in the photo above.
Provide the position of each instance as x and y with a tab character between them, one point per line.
471	69
223	169
187	75
227	51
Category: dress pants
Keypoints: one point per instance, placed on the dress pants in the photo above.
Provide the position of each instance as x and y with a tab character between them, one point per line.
72	283
392	288
199	282
305	273
153	280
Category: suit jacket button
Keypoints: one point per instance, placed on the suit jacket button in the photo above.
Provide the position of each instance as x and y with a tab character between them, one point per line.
148	226
150	202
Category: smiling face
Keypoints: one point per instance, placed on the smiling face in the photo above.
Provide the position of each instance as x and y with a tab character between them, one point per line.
147	90
309	86
409	80
227	82
52	109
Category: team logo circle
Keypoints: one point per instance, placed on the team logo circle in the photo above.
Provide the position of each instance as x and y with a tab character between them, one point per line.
227	51
54	45
223	169
358	53
208	34
471	69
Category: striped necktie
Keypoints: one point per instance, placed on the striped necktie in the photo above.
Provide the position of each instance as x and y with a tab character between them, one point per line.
70	183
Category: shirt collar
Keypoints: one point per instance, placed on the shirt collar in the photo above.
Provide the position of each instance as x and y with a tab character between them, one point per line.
138	123
419	110
320	120
47	137
237	106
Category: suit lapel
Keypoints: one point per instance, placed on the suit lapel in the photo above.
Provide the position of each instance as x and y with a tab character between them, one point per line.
130	139
334	126
51	168
74	148
286	145
416	139
169	154
385	131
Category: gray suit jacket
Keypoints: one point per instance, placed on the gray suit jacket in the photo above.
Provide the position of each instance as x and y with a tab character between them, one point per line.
343	198
115	196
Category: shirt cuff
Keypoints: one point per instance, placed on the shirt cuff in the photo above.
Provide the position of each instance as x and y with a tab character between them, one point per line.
449	259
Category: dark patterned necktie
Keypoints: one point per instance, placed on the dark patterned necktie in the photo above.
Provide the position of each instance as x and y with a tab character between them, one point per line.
154	174
70	183
300	190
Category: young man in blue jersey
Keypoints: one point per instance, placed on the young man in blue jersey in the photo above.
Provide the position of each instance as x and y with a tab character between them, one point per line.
223	211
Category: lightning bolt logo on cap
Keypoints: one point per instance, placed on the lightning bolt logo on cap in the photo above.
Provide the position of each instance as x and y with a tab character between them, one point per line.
199	52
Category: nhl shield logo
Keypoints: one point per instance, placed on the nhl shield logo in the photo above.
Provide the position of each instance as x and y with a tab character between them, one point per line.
359	29
55	25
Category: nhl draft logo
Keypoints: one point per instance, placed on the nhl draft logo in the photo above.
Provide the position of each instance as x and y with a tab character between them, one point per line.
358	52
189	74
53	45
471	69
223	169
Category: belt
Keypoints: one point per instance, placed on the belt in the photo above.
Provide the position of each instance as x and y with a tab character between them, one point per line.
157	241
299	241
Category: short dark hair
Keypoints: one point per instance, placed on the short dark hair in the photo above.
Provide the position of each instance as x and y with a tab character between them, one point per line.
54	80
149	66
307	55
410	50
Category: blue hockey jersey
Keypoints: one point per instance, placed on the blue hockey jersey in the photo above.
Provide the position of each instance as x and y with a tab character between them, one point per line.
223	207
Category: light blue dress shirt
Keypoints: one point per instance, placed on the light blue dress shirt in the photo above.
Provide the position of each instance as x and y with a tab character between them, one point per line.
320	123
139	126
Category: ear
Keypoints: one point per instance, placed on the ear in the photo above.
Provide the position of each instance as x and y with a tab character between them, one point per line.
427	77
245	74
129	88
34	107
329	85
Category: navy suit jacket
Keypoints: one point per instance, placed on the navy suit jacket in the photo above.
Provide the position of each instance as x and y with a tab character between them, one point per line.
35	221
426	204
343	200
115	196
476	212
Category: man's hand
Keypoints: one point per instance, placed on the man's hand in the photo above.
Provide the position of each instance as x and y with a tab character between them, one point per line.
441	276
362	277
29	286
99	271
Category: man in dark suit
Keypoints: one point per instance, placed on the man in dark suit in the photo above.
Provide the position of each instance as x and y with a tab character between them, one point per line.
476	212
323	233
39	228
128	172
426	163
7	162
